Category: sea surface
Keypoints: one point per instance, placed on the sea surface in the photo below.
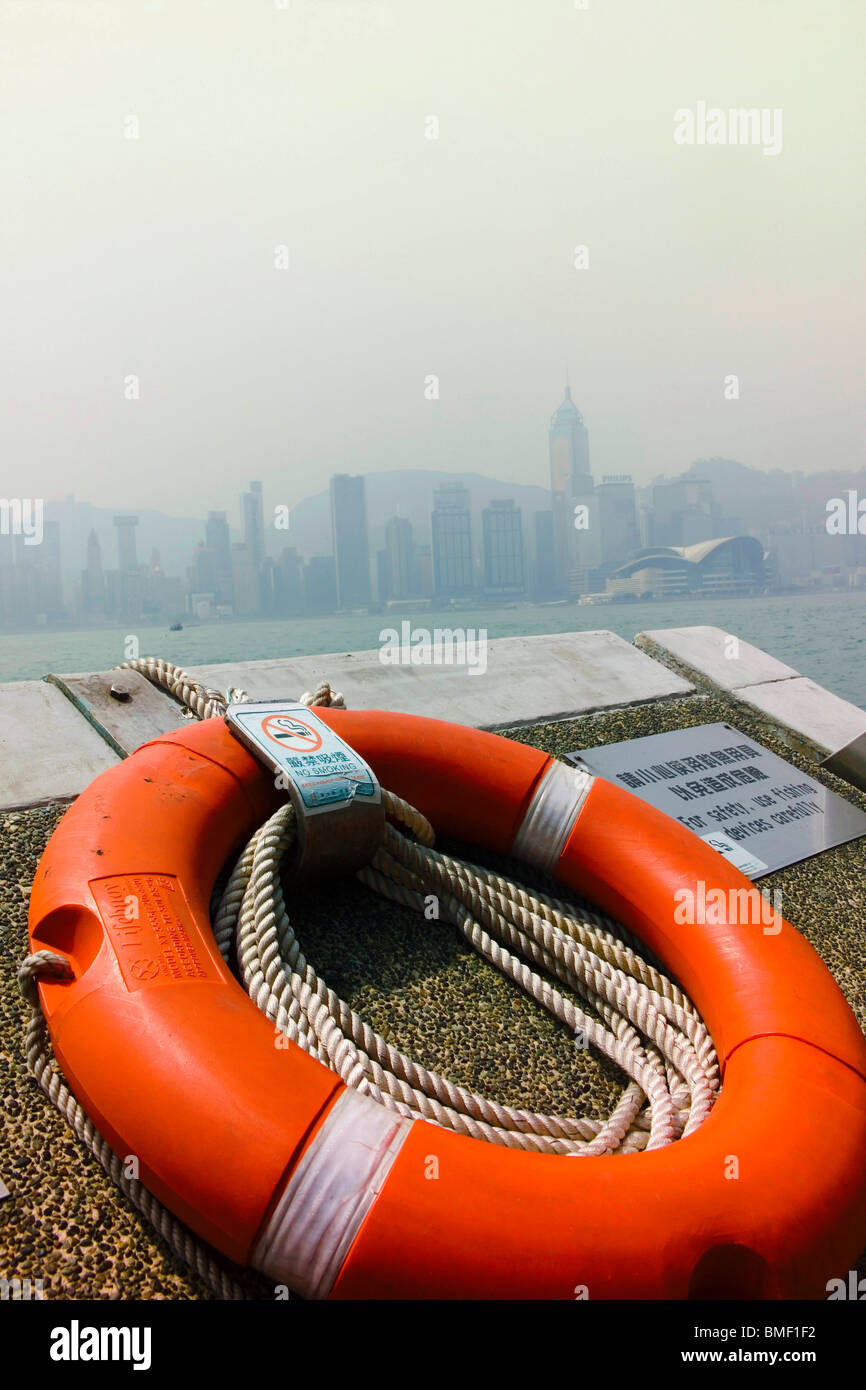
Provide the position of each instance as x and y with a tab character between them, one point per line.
822	636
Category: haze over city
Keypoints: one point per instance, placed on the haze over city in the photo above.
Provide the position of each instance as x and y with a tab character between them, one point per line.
281	243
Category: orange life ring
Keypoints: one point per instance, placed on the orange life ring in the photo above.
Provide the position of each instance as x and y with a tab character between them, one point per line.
267	1155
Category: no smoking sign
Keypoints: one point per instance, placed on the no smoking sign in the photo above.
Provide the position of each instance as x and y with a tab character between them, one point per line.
292	733
311	761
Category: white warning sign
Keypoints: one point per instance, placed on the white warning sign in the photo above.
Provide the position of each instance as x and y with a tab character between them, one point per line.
305	753
754	808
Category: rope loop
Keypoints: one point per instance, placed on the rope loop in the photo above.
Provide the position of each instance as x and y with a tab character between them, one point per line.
41	965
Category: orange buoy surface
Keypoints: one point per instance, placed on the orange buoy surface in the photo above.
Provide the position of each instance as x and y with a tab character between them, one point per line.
265	1153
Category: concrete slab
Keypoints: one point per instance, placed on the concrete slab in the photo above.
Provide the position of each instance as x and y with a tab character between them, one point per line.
515	681
47	751
806	713
525	679
807	716
721	658
124	724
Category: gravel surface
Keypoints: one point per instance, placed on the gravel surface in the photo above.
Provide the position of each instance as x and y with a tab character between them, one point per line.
417	982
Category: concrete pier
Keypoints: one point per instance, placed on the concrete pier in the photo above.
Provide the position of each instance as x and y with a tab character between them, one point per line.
525	679
809	718
62	1220
57	734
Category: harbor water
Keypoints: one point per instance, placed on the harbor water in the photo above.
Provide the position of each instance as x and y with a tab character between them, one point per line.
822	635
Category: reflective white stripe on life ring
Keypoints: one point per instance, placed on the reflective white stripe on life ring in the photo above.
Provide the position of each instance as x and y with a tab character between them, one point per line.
551	815
306	1239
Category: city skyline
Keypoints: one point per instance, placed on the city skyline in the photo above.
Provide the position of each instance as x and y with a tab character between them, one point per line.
588	539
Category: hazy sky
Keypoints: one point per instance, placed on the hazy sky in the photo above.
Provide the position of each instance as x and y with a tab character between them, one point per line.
304	126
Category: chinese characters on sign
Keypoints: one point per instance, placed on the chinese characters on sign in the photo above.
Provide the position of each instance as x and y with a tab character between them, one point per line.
749	804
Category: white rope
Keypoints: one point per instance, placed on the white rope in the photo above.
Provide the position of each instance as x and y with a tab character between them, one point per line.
204	702
644	1023
43	1066
639	1018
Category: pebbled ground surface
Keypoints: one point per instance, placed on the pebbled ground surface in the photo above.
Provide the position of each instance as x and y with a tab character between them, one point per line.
417	982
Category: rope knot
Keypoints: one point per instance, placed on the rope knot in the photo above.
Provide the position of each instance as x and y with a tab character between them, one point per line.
45	965
323	695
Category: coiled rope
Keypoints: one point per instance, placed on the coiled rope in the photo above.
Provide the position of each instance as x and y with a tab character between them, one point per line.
639	1019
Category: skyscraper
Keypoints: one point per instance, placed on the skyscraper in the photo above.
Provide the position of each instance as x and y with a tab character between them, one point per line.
93	580
571	486
246	581
451	524
125	585
204	572
291	584
42	574
217	539
424	570
253	516
502	529
12	596
127	557
351	545
383	576
685	512
544	586
398	548
617	518
320	584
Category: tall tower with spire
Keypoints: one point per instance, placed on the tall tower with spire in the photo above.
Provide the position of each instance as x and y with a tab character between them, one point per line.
571	487
93	580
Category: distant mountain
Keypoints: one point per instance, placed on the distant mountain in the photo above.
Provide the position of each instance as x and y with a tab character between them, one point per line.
407	493
761	500
757	498
817	489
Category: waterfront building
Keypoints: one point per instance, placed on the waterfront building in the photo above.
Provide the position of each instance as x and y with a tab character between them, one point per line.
350	540
571	486
544	585
245	578
730	567
617	519
290	602
204	571
423	570
320	584
93	580
124	586
127	558
502	532
398	549
253	519
451	525
42	580
217	540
